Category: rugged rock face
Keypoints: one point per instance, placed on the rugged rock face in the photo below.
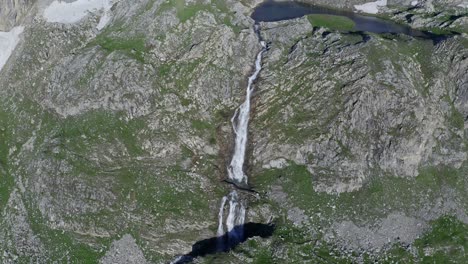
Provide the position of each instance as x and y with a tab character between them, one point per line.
124	251
352	115
115	141
387	113
120	130
12	12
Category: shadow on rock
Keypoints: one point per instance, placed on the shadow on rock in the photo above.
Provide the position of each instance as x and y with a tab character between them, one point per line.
226	242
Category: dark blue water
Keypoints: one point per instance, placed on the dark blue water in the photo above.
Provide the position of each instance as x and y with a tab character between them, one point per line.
275	11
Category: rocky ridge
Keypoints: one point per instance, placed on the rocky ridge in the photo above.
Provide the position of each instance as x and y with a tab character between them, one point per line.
116	139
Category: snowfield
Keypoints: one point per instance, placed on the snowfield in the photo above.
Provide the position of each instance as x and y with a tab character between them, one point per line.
8	42
372	7
68	13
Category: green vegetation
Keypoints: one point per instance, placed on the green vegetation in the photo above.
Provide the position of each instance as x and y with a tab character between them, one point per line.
187	10
61	244
184	11
447	241
378	197
456	119
340	23
375	199
6	180
133	47
148	188
263	257
293	130
106	134
205	129
404	54
435	177
79	137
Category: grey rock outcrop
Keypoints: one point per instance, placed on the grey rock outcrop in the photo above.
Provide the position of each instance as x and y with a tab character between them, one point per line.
354	137
12	12
394	111
124	251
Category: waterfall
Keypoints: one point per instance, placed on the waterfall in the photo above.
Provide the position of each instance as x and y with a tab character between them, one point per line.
220	233
240	126
240	122
220	217
235	219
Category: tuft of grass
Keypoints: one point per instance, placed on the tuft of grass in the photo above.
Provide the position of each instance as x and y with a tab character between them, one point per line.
434	177
401	55
133	47
448	241
263	257
184	11
340	23
456	118
6	180
61	244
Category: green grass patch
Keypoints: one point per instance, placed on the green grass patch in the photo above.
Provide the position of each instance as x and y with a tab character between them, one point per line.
401	54
448	236
134	47
374	200
263	257
62	244
456	118
184	11
340	23
433	177
447	240
201	125
79	134
6	180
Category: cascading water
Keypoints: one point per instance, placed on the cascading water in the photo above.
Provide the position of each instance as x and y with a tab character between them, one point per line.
240	122
235	169
235	219
236	214
220	217
220	233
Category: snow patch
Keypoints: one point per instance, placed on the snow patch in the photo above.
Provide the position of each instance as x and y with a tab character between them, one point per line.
8	42
463	5
414	3
372	7
68	13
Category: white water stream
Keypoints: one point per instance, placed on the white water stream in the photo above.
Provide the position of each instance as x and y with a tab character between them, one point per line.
240	122
236	216
241	125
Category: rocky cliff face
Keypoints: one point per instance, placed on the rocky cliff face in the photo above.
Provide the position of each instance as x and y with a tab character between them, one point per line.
12	12
373	126
115	141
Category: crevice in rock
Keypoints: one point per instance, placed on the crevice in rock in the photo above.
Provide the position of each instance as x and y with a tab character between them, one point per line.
241	188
